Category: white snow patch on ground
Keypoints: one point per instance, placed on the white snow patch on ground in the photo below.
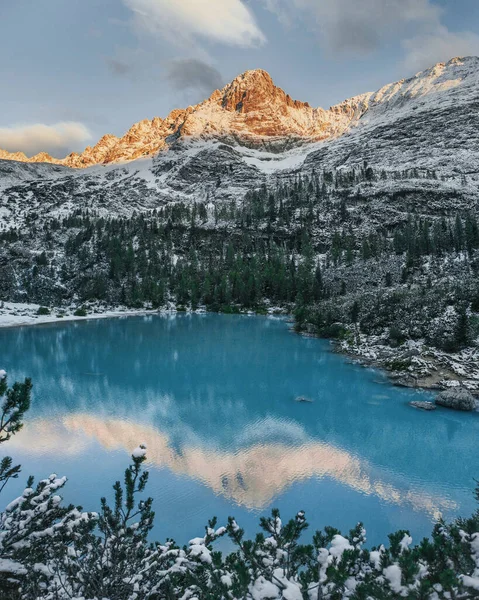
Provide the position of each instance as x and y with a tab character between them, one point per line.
18	314
269	162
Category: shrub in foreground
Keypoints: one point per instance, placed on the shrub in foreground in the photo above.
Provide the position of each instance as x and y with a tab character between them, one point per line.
54	552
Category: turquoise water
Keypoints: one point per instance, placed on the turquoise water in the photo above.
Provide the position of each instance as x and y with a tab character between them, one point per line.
213	398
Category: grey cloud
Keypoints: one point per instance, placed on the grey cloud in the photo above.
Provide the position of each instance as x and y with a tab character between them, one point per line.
348	33
358	25
193	74
118	67
363	26
425	50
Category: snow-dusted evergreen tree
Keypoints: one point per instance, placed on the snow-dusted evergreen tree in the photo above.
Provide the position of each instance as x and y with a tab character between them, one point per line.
53	552
15	402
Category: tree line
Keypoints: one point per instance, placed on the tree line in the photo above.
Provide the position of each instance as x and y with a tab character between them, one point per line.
312	245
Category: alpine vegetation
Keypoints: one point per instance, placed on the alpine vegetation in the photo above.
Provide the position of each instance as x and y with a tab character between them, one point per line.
55	552
361	219
357	223
326	246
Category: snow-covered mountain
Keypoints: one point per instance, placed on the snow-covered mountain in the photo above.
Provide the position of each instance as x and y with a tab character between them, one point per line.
252	111
251	196
252	132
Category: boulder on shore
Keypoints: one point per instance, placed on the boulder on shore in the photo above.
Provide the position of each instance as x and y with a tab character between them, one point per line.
423	405
457	398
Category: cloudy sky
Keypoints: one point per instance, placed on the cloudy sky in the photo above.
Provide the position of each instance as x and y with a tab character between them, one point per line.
74	70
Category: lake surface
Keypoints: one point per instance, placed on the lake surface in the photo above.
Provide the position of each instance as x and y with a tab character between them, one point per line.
213	398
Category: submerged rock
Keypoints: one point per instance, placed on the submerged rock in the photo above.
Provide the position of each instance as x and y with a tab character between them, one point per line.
423	405
406	380
457	398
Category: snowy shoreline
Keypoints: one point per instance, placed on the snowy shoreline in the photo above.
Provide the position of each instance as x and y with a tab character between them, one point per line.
416	365
413	364
14	314
20	315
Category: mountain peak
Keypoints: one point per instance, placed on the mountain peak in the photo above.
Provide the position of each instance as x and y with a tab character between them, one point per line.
253	75
253	91
252	110
41	157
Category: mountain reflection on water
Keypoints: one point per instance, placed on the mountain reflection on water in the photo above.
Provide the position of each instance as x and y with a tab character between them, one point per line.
252	476
213	398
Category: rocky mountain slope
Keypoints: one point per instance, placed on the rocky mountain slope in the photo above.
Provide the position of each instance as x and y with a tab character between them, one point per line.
253	112
364	217
248	135
252	132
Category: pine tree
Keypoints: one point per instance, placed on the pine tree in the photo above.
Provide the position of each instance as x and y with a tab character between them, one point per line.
15	403
51	552
458	234
355	312
461	331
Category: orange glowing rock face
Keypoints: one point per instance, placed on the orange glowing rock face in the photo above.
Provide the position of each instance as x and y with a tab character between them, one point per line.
254	112
255	91
250	109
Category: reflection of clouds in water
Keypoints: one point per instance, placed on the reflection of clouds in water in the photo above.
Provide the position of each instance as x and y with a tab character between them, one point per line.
40	437
271	429
66	385
251	476
225	408
90	390
149	407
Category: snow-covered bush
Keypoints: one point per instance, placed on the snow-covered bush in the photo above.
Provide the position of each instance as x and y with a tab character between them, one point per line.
54	552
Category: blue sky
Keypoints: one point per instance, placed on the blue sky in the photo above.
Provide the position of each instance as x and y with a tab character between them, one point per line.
74	70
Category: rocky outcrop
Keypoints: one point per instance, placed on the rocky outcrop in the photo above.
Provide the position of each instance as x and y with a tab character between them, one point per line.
253	112
18	156
457	398
253	91
428	406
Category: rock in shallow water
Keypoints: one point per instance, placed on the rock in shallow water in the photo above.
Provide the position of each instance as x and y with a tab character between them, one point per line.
423	405
456	398
406	380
